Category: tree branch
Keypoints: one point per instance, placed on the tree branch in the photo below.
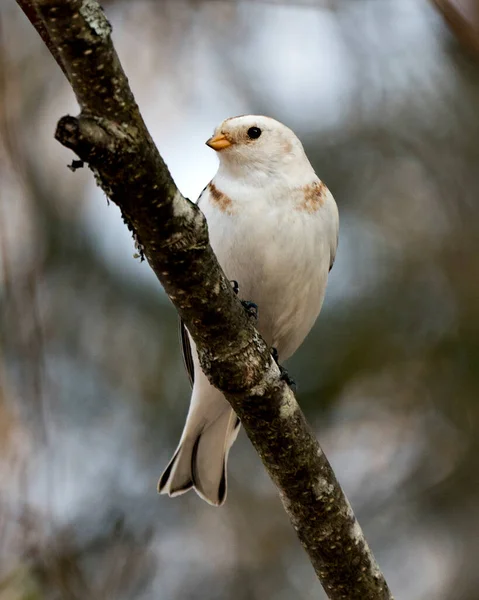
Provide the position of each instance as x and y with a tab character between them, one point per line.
29	8
110	135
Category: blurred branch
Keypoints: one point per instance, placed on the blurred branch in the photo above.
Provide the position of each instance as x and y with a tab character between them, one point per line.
462	16
30	9
110	135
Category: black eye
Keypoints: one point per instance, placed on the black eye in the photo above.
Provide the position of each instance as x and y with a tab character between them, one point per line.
254	132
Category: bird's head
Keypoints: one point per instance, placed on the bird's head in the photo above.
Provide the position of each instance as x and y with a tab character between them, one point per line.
251	144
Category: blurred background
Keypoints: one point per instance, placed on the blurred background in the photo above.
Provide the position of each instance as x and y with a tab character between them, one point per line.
93	395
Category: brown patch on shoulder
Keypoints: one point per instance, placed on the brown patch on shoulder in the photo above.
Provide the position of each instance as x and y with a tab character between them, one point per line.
220	200
313	196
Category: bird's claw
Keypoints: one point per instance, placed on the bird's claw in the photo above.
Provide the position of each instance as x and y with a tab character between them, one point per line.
76	164
251	309
284	375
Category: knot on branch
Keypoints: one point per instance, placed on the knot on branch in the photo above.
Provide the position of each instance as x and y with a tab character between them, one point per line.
91	138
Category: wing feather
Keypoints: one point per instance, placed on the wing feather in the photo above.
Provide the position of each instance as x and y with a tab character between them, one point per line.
184	338
186	351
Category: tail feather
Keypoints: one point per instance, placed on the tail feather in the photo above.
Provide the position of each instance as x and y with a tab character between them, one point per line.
200	461
210	459
176	478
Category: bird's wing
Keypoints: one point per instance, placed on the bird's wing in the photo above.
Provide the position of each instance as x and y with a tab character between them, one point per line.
184	338
201	195
333	255
186	351
334	245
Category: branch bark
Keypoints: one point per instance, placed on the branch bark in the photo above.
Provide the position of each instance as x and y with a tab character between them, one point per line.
109	134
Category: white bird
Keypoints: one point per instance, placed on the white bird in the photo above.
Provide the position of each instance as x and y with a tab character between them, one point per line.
273	226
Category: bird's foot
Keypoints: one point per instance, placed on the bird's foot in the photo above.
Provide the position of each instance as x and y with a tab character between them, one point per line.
287	379
284	375
76	164
250	308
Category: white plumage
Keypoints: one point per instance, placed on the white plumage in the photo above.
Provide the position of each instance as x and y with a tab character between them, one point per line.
273	226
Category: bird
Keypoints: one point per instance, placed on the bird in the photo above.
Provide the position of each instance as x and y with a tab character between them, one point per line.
273	225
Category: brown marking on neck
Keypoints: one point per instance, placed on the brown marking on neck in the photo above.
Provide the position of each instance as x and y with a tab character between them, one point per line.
220	200
313	197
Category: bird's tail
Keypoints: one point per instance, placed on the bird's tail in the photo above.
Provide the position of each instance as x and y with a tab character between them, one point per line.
200	459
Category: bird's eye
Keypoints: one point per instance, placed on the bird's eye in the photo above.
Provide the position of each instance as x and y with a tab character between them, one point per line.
254	132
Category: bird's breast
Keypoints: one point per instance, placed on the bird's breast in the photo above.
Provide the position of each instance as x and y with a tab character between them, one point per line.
280	259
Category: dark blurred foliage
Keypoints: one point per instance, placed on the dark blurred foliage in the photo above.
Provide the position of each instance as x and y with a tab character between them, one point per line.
92	389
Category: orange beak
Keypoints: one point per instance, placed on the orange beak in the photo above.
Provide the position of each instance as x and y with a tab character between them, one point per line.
218	142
